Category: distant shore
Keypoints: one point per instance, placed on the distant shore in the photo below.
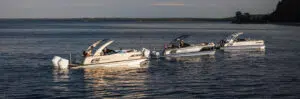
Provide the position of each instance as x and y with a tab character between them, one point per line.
136	20
117	19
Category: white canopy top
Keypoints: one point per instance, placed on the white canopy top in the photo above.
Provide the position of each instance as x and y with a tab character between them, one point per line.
232	37
90	48
105	44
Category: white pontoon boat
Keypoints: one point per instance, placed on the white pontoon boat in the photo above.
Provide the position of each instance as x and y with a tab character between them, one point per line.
106	57
232	42
177	48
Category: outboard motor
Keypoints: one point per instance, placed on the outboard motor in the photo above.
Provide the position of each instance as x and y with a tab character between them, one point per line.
55	61
60	63
155	54
146	52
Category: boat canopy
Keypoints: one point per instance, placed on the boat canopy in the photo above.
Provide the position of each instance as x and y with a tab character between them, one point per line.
233	37
176	40
101	43
90	48
104	44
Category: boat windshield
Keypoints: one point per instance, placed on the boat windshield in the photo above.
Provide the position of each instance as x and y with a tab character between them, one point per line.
233	36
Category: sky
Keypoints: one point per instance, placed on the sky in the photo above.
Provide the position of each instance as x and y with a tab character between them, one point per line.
132	8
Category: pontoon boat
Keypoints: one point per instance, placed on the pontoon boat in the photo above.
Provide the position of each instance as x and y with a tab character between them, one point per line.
178	48
232	42
106	57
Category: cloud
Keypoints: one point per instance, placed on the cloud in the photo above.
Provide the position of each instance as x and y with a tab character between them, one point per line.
168	4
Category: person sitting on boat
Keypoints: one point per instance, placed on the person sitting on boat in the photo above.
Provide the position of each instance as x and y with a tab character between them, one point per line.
170	46
85	54
107	51
88	52
204	43
240	39
182	44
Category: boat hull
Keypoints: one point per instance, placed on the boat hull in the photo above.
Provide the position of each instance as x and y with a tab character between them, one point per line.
192	54
137	63
246	47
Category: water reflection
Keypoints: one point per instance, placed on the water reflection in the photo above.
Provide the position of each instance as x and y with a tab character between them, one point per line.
193	59
60	75
116	82
180	79
245	53
240	55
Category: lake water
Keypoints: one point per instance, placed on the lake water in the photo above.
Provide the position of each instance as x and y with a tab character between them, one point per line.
26	50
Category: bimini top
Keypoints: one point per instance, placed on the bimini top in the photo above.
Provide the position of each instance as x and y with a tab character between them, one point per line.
101	43
233	36
176	40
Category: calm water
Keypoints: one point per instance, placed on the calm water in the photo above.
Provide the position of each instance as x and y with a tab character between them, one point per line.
26	49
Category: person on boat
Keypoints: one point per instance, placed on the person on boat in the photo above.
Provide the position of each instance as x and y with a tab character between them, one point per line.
88	52
84	53
182	44
107	51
